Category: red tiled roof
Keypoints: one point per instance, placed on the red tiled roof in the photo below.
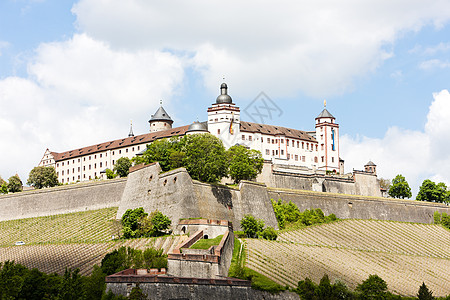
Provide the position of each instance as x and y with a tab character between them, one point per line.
116	144
276	130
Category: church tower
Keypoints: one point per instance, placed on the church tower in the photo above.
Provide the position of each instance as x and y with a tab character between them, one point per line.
224	118
327	135
160	120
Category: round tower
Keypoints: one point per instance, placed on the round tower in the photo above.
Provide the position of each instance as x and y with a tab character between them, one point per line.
327	135
160	120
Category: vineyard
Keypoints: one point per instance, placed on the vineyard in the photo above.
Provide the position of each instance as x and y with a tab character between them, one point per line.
76	240
403	254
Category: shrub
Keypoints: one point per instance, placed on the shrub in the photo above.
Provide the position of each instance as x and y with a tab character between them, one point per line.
269	234
252	227
130	222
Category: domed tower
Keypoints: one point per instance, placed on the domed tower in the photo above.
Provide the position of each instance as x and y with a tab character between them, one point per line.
370	167
197	127
327	136
160	120
224	118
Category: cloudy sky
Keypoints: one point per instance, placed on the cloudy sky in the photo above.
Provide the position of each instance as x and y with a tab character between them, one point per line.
74	73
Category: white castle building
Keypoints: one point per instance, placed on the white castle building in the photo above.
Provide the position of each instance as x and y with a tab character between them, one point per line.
316	150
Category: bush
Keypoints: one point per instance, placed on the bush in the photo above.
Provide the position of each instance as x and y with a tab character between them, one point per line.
122	166
269	234
252	227
130	222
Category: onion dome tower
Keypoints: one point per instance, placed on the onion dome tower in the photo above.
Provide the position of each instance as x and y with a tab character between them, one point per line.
160	120
224	118
327	136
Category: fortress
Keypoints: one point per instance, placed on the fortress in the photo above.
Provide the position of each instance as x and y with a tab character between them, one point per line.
312	151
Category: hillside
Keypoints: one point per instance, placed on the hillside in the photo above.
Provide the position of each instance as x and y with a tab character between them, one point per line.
403	254
77	240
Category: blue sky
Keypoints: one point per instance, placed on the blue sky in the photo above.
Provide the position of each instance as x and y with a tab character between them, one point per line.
74	73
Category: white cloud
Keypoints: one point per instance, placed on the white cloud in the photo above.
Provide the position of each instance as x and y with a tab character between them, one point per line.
80	92
417	155
441	47
283	47
433	64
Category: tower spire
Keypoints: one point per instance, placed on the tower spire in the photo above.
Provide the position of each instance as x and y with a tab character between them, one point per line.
131	129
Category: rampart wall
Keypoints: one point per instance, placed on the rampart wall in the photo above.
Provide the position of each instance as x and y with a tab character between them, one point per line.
175	194
361	207
62	199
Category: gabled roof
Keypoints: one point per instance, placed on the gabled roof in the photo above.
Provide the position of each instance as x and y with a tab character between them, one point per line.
120	143
325	114
161	115
276	130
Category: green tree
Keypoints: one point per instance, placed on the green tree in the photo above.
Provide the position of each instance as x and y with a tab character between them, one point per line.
137	294
94	285
252	227
167	152
130	222
205	158
72	285
400	188
373	287
41	177
269	234
4	188
122	166
424	293
110	174
244	164
15	184
385	184
432	192
156	224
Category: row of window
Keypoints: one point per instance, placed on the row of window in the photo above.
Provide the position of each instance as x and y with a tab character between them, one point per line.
292	142
78	178
84	168
100	156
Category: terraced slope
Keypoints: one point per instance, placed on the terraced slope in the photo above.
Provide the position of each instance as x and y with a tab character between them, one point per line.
56	257
403	254
82	227
76	240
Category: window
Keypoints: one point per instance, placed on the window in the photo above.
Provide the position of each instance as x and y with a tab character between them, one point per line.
307	146
84	168
282	141
100	164
273	154
132	149
106	163
78	170
73	161
287	142
95	156
139	147
276	152
62	180
293	143
243	137
120	151
323	159
298	144
89	167
84	176
73	178
332	159
321	147
268	140
62	164
73	170
218	131
62	172
303	145
282	152
68	171
89	157
113	162
84	158
267	151
321	136
296	157
273	141
57	174
315	159
79	177
68	162
89	177
113	152
126	150
106	154
250	138
57	165
303	159
317	147
95	166
78	160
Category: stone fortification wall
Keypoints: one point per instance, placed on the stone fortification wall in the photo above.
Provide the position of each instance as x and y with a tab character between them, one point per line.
290	177
165	288
176	195
361	207
62	199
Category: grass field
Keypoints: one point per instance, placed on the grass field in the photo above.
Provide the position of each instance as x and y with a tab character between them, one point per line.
403	254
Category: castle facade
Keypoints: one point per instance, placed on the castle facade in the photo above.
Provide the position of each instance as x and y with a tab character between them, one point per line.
316	150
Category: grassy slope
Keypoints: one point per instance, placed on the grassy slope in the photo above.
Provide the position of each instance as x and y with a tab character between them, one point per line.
403	254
